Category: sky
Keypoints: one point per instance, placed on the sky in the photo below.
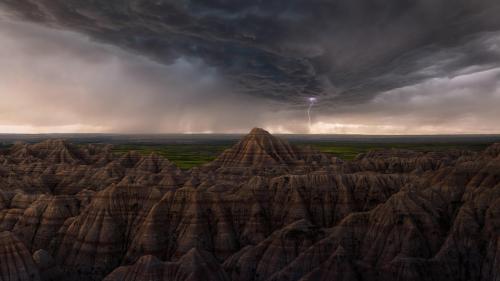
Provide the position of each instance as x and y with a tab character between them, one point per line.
226	66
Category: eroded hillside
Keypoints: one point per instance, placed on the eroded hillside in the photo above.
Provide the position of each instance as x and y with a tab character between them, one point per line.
263	210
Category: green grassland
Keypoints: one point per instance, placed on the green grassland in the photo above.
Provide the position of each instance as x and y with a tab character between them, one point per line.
349	151
186	156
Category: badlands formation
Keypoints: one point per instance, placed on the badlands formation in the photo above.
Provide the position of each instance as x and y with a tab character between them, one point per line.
263	210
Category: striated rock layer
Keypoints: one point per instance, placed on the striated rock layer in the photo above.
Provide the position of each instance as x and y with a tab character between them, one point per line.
194	265
16	263
263	210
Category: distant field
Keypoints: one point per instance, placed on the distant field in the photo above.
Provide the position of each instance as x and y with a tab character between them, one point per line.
349	151
188	151
186	156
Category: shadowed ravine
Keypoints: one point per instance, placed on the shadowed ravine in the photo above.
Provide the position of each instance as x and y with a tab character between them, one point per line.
264	209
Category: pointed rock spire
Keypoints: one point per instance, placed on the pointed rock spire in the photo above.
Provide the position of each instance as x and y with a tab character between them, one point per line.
258	149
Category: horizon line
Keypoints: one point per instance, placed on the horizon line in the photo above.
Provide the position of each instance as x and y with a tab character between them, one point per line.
238	134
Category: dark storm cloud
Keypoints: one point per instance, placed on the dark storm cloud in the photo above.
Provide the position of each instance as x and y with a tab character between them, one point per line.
351	54
286	50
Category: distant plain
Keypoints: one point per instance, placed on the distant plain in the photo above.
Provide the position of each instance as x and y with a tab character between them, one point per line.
191	150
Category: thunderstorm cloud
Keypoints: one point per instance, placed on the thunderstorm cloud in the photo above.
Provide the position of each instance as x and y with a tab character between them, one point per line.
375	66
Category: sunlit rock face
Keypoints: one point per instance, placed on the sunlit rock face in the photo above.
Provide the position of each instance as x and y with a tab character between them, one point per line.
263	210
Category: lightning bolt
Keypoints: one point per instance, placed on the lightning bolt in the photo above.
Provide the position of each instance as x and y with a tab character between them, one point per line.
312	101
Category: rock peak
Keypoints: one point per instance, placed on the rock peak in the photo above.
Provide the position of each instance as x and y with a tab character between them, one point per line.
257	149
259	131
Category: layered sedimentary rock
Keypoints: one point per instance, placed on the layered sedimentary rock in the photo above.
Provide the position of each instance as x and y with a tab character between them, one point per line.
94	242
16	263
41	221
263	210
261	261
194	265
261	153
259	148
